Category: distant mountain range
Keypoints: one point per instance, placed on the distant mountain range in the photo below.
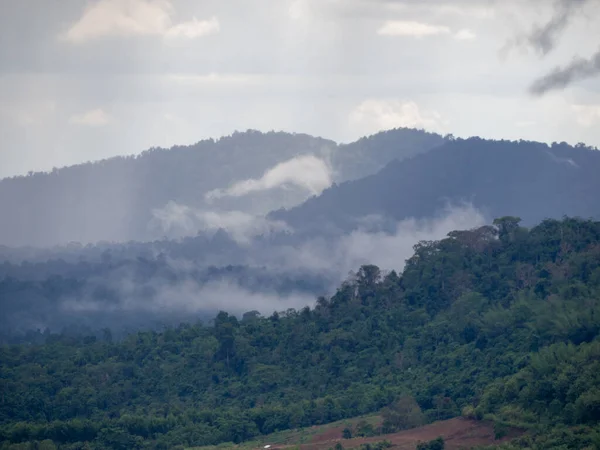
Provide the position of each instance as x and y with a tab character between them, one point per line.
386	193
167	192
500	178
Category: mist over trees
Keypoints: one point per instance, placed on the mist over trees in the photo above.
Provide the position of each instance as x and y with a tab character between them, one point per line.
498	323
287	259
115	199
416	292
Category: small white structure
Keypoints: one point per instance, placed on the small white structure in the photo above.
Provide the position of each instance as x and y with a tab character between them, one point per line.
267	446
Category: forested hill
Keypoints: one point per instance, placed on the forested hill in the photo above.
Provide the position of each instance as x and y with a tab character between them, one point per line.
500	322
117	199
525	179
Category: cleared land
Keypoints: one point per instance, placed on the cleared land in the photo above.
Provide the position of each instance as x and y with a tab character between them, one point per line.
458	433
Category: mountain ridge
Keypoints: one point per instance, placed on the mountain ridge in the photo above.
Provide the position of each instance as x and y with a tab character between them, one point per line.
117	199
526	179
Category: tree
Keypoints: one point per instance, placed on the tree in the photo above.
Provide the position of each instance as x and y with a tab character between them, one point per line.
507	227
436	444
403	414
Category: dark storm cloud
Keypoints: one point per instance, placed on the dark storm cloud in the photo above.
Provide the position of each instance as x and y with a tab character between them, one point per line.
543	38
561	77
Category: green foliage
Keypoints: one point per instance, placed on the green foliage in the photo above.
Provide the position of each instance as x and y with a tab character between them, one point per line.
500	430
380	445
365	429
403	414
436	444
499	328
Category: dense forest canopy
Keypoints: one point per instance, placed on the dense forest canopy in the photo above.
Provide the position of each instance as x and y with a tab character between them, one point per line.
499	322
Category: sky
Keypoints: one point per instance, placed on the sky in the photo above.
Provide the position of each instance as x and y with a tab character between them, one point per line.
86	80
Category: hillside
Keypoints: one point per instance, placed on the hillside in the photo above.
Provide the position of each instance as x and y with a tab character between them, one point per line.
163	191
525	179
500	323
457	433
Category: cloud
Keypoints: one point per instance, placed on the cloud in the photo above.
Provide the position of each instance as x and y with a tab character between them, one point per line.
543	38
334	256
397	8
299	9
124	18
559	160
421	30
194	29
25	114
465	35
410	28
276	276
93	118
176	220
307	172
189	297
338	256
561	77
374	115
390	251
587	115
220	79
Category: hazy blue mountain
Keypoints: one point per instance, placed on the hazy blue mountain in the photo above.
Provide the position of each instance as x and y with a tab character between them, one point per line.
119	199
525	179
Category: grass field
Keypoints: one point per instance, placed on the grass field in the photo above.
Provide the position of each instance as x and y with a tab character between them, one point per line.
458	433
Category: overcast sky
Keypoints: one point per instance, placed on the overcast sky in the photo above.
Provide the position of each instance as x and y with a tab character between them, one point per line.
84	80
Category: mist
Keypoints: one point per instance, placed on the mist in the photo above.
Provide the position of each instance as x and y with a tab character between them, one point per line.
176	221
307	172
255	272
388	250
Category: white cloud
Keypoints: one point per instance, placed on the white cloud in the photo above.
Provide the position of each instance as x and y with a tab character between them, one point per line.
188	296
587	115
420	30
298	9
410	28
194	29
374	115
465	35
93	118
387	250
135	18
390	251
177	220
307	172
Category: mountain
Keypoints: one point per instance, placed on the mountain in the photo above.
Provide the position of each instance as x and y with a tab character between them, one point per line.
175	192
501	178
500	324
293	256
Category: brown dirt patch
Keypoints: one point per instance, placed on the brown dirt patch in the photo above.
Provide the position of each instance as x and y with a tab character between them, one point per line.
458	433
